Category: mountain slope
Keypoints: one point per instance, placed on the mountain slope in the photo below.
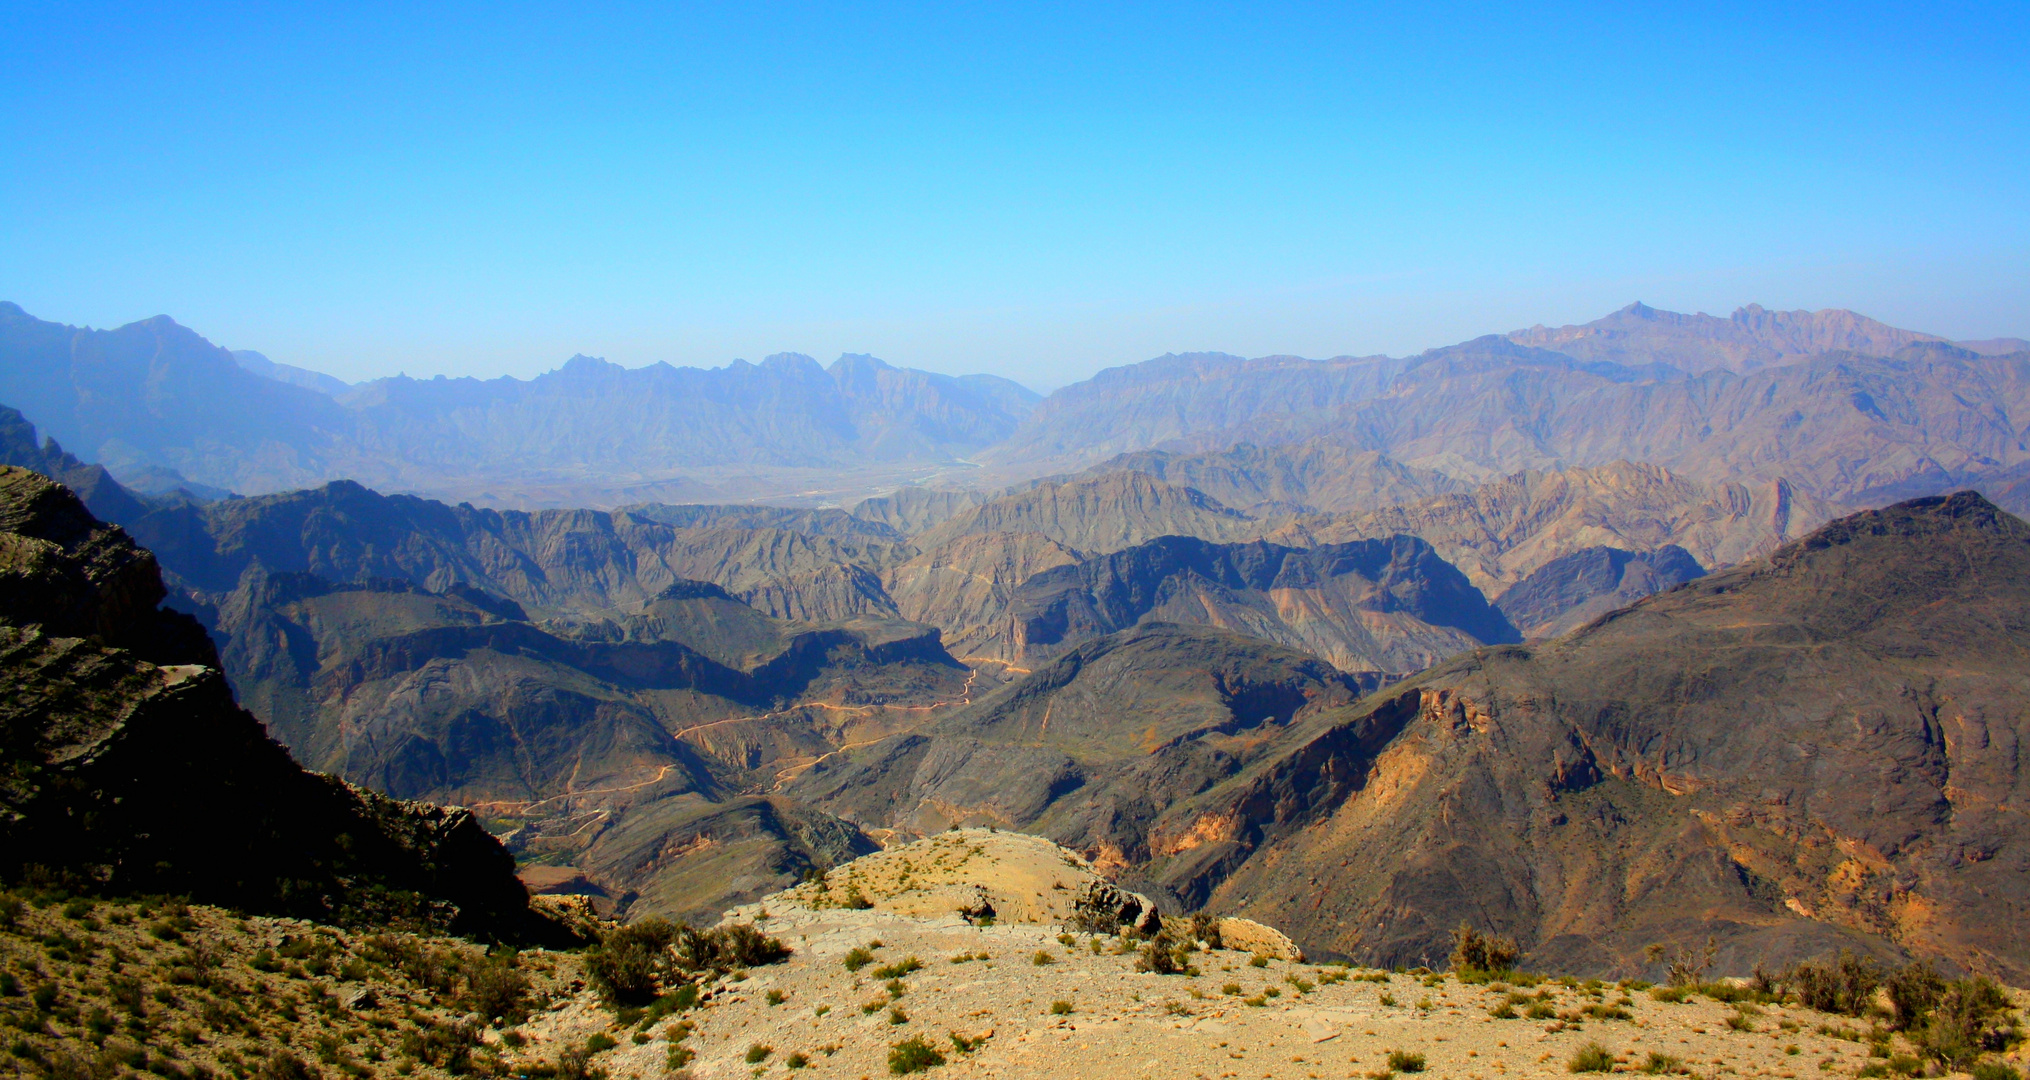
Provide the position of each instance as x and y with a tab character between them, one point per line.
1106	513
1145	405
1093	747
1814	749
1320	475
1501	532
1388	606
549	561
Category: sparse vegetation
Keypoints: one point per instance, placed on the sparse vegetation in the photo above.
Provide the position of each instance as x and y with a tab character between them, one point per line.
913	1055
898	969
1660	1064
1591	1058
1478	957
1405	1062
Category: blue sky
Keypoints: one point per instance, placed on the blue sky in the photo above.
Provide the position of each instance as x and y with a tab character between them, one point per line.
1033	190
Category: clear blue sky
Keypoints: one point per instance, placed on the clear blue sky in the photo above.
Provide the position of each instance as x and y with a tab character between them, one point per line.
1038	191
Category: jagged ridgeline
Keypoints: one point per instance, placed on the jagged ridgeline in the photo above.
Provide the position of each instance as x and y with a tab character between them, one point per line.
129	769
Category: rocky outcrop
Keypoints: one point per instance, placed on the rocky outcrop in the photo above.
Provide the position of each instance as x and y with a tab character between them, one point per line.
130	769
1104	908
1249	936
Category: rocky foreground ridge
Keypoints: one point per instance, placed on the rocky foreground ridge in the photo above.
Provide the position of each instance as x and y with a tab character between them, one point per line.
971	953
128	769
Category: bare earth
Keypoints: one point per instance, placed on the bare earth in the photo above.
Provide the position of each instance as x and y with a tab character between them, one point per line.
1233	1019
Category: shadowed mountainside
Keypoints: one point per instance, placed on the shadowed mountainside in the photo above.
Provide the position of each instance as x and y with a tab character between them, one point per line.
1572	590
1385	606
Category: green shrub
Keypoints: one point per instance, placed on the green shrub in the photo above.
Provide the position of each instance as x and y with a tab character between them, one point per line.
775	997
599	1043
913	1055
1481	955
1060	1008
899	969
796	1061
1404	1061
725	949
1963	1023
633	963
1164	955
1913	991
1660	1064
1503	1011
1995	1070
758	1053
495	988
858	959
896	1017
1042	959
1844	985
1591	1057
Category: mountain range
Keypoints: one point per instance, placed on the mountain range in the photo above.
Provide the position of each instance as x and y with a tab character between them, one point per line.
1843	408
1593	636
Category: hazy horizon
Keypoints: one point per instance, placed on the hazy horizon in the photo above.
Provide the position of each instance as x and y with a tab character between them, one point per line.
1037	195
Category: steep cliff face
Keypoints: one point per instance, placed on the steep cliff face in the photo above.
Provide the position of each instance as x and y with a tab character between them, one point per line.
1384	606
1812	750
128	765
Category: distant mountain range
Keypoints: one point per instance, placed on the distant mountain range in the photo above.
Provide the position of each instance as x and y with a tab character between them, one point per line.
1846	409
